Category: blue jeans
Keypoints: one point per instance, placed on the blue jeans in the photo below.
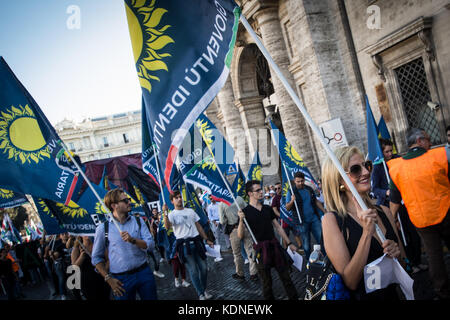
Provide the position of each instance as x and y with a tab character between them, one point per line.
197	269
306	228
60	274
141	282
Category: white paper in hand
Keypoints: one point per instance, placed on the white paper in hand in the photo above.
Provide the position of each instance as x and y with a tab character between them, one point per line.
213	252
298	259
385	271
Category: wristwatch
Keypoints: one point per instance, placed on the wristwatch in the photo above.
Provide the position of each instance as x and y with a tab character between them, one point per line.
133	241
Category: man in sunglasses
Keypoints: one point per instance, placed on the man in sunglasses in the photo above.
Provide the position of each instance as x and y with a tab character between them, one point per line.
422	179
269	253
310	210
129	271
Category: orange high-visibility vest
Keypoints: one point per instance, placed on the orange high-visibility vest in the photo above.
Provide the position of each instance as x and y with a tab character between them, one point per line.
15	265
424	185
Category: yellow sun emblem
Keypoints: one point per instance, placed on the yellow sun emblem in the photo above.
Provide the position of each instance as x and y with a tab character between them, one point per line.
100	209
285	189
257	173
293	155
21	137
147	39
6	194
45	208
139	196
205	131
73	210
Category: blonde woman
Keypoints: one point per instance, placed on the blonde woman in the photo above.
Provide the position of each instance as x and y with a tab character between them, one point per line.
349	232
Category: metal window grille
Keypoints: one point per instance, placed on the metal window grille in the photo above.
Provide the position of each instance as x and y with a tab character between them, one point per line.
415	95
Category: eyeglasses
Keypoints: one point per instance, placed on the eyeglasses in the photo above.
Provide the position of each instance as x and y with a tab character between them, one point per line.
126	200
356	169
277	188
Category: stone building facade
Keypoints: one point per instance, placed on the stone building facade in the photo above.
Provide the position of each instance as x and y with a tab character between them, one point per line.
333	53
103	137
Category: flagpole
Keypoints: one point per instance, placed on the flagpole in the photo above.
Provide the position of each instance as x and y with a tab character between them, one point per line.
309	120
228	187
398	215
159	174
90	185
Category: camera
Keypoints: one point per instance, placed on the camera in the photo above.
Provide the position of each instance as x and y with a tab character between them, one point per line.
433	105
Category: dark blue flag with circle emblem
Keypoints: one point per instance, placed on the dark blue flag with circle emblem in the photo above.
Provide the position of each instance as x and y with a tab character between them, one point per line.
255	172
182	52
197	163
32	160
11	199
290	159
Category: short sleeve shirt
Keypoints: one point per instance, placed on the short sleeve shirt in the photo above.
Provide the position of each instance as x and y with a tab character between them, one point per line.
183	222
260	221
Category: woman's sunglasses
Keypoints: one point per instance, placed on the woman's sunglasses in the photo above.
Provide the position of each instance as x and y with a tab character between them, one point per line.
356	169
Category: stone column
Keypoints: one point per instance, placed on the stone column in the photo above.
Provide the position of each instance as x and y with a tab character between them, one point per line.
293	122
232	121
252	115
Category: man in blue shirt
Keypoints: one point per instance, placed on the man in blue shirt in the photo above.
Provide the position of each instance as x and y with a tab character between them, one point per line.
129	271
310	210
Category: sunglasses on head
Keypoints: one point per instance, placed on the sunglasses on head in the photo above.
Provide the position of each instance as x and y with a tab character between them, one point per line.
126	200
356	169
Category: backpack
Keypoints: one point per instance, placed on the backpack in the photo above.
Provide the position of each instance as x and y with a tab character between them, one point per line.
106	223
323	282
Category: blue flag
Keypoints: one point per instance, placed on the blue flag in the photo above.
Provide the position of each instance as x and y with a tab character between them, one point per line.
104	181
198	168
182	52
32	161
287	215
373	144
255	172
190	200
383	132
289	157
11	199
107	185
49	221
149	156
165	237
238	186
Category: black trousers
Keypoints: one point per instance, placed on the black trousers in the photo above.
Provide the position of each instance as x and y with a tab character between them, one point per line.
266	281
432	237
413	245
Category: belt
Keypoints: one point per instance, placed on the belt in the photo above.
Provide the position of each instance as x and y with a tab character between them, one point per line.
142	267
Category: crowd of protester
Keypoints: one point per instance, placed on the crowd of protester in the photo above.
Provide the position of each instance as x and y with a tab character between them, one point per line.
408	199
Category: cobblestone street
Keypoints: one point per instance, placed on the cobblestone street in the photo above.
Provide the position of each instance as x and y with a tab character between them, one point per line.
223	287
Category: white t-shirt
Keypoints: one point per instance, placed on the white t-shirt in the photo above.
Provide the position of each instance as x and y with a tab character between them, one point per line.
183	222
213	212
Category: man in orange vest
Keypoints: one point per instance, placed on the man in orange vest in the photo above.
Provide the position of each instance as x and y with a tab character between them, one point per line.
421	178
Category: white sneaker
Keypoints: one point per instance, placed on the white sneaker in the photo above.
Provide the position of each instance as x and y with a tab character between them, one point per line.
63	297
177	283
207	295
158	274
185	284
201	297
246	261
218	259
161	260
